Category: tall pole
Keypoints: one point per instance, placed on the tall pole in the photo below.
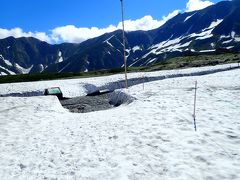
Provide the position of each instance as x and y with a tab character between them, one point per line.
124	46
194	110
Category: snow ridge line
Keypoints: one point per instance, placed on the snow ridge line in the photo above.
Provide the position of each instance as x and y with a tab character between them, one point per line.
135	81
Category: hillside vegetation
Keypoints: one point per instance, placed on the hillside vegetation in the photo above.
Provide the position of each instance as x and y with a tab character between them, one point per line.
174	63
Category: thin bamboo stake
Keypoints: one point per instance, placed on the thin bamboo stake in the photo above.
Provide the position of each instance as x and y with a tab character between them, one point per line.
124	46
143	78
194	111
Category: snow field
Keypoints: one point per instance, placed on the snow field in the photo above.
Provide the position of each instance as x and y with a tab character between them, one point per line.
151	138
83	86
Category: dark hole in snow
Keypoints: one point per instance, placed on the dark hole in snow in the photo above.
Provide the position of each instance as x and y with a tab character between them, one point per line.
94	101
97	101
98	92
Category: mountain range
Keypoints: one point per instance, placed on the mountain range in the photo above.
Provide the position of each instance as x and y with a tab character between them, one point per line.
215	29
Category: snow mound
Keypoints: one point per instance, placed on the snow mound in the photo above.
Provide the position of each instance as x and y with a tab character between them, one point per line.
119	97
89	88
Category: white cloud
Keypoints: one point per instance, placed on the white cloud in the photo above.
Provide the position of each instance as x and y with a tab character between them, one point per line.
193	5
18	32
147	22
170	15
42	36
74	34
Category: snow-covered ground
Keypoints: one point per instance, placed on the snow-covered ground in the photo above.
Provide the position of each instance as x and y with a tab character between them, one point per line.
151	138
79	87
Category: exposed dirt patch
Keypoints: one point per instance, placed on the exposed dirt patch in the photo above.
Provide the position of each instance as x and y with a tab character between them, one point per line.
86	104
96	102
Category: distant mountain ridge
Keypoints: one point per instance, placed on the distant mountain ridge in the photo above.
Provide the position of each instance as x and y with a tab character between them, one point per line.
210	30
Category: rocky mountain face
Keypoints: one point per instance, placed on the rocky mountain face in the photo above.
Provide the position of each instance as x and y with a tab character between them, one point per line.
29	55
211	30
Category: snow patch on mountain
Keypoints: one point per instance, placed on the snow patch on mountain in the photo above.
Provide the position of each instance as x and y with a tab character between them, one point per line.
187	18
237	39
224	37
3	74
178	47
109	44
128	52
107	41
60	58
156	48
205	37
233	33
168	46
207	32
136	48
171	45
135	62
7	62
228	41
212	45
22	69
214	24
207	50
41	68
119	51
151	61
109	38
9	71
230	47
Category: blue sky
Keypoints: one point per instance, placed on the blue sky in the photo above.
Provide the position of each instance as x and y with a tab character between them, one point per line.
62	21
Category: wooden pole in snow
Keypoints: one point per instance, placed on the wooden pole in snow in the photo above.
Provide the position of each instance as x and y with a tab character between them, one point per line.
124	46
194	111
143	79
